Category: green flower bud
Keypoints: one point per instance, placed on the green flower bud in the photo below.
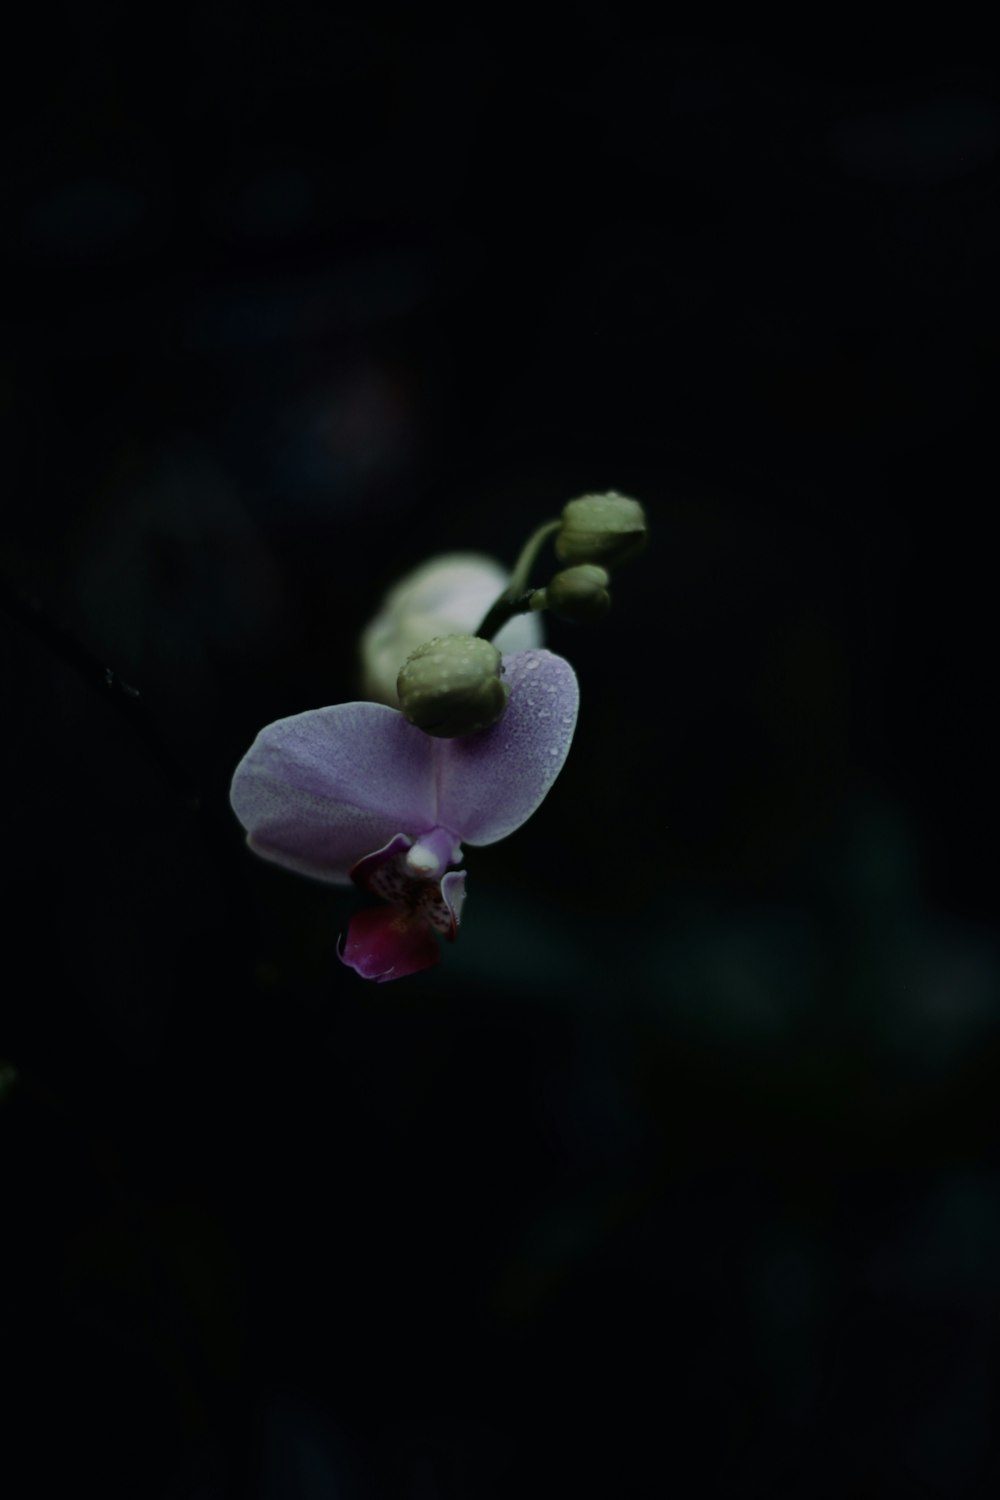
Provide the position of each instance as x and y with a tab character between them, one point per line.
451	685
605	529
579	594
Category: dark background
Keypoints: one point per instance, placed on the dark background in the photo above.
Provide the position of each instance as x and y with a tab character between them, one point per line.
679	1174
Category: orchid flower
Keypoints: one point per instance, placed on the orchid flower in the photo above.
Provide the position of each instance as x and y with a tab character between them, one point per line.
355	792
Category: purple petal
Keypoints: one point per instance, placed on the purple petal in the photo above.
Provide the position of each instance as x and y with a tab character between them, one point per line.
384	942
492	781
318	791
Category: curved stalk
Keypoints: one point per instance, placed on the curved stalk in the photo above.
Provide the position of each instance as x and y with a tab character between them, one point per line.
516	597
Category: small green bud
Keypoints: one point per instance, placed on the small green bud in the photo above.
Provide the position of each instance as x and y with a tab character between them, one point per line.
605	529
451	685
579	594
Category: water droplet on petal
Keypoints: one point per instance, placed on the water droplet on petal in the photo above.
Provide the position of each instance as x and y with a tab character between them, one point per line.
531	664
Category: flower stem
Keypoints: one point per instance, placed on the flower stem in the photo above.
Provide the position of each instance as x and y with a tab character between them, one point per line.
516	597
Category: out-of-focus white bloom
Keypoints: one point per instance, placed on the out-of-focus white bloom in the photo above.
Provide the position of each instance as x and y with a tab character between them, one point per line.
448	595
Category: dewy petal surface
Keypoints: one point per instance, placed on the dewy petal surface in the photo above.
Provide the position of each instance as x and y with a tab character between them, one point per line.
319	790
492	781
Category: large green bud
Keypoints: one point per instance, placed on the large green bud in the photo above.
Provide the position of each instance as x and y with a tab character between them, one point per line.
603	529
579	594
451	685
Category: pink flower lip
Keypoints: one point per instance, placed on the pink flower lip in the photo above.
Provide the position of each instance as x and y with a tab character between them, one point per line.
387	942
